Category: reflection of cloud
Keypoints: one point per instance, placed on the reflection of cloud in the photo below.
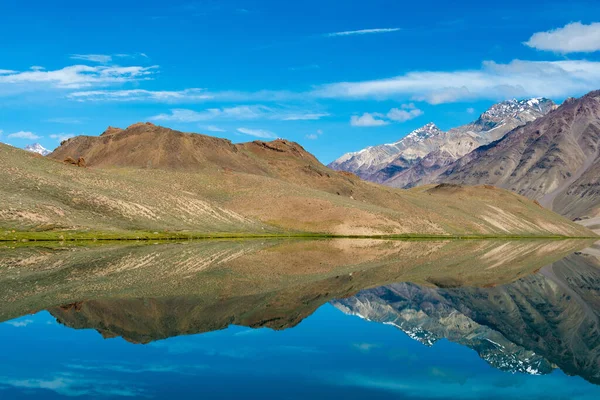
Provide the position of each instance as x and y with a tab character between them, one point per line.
446	375
20	323
126	368
73	385
476	387
239	352
365	347
250	331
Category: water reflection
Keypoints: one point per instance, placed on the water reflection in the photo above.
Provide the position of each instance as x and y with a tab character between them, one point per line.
525	307
544	321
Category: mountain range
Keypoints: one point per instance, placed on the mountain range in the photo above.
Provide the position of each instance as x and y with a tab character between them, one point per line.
418	156
554	159
532	147
148	179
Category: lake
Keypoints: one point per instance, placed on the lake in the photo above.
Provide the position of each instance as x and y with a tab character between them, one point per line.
301	319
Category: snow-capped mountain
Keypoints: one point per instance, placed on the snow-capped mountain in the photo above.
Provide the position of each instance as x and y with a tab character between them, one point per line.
422	154
554	160
522	110
37	148
367	162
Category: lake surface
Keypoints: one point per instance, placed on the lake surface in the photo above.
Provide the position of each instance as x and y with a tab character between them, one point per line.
301	319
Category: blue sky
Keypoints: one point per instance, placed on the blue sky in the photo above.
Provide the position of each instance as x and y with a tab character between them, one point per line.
335	76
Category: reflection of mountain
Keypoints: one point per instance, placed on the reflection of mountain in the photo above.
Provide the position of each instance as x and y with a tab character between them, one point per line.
531	325
291	278
152	292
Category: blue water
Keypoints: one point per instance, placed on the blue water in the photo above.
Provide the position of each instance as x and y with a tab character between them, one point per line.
328	355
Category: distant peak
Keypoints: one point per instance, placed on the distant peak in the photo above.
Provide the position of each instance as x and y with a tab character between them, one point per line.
428	130
37	148
514	108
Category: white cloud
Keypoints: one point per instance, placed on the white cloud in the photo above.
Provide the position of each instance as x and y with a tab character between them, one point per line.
212	128
261	133
238	113
105	58
79	76
99	58
363	32
368	119
572	38
188	95
166	96
470	110
24	135
314	136
406	113
553	79
61	136
304	116
20	323
64	120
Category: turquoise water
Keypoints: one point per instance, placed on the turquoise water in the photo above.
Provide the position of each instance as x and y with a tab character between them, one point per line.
298	320
328	354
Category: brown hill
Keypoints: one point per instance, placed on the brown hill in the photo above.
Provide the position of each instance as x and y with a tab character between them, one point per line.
152	178
555	159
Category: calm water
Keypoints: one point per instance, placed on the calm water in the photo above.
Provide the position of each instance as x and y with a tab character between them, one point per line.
354	319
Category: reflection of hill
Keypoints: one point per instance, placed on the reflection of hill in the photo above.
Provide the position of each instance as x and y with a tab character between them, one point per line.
549	318
202	286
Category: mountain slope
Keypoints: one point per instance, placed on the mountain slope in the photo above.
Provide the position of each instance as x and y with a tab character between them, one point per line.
153	179
422	155
554	159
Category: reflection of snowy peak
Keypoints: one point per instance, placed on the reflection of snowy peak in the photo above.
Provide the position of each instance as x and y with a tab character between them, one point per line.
422	154
426	317
537	323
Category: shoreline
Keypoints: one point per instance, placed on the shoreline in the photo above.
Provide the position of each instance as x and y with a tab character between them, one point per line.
71	236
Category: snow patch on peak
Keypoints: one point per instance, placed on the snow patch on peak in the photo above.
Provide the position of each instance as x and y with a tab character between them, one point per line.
425	131
37	148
